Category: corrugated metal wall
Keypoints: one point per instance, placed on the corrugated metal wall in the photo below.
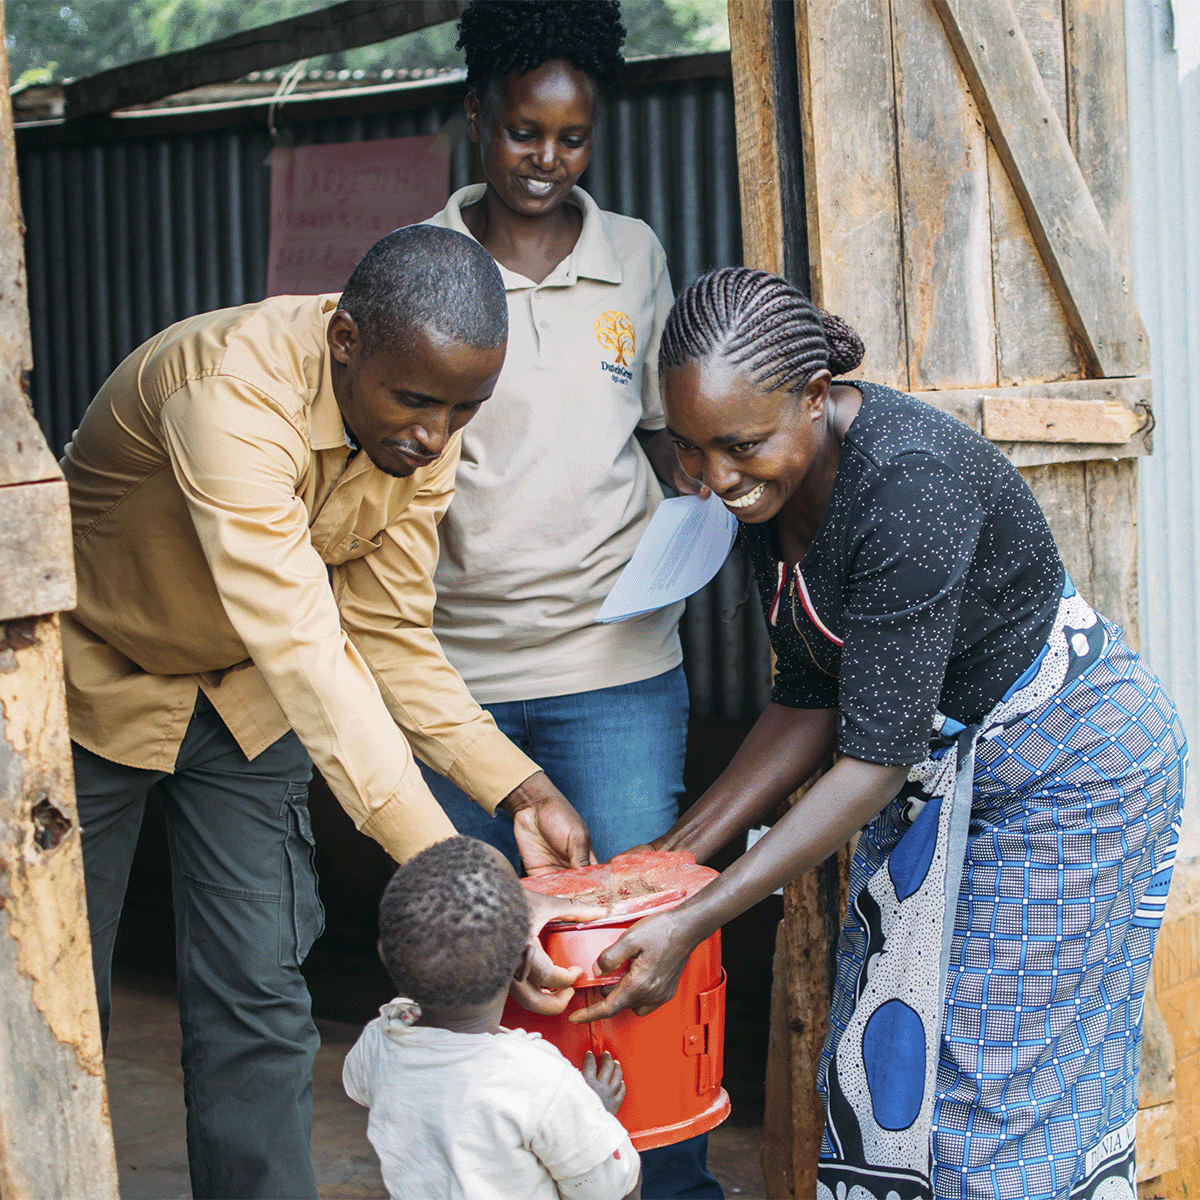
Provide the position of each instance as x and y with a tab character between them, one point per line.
128	233
1163	63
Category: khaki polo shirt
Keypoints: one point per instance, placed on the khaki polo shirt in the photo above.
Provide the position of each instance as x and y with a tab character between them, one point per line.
553	490
227	539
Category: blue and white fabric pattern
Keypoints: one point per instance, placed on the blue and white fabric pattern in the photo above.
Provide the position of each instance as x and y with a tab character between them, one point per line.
985	1030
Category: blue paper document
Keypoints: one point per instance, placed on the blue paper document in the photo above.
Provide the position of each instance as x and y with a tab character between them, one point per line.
683	547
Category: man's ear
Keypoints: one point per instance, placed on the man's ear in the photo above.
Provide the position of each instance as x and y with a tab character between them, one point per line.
379	951
343	337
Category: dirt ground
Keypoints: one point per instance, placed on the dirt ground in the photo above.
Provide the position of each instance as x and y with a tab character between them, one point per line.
145	1087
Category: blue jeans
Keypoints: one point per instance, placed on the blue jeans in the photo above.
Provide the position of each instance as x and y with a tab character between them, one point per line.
246	914
617	754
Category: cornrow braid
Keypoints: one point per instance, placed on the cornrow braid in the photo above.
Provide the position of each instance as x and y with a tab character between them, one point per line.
514	37
758	320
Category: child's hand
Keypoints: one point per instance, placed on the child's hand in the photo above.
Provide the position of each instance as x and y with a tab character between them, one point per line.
607	1080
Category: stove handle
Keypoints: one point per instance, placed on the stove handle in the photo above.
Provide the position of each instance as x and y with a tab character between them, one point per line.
706	1040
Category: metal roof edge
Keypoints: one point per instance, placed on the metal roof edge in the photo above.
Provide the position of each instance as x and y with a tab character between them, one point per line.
331	103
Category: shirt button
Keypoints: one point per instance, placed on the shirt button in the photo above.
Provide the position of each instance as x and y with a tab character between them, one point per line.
354	543
545	324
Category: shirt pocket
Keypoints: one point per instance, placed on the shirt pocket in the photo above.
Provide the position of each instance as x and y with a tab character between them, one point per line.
351	545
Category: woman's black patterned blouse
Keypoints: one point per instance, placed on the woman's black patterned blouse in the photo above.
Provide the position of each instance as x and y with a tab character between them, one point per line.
931	583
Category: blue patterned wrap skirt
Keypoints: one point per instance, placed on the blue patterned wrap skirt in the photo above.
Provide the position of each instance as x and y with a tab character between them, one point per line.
986	1022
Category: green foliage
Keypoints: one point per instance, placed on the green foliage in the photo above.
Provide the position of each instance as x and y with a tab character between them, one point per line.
48	39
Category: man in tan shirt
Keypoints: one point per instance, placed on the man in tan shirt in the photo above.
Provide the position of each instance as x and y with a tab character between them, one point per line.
255	595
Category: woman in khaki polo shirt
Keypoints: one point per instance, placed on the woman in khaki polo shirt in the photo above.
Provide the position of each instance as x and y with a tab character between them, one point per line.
557	477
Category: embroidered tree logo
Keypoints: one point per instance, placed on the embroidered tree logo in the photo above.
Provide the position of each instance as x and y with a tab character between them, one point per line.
615	330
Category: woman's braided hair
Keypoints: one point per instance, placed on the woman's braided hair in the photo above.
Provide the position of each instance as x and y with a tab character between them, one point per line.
759	320
514	37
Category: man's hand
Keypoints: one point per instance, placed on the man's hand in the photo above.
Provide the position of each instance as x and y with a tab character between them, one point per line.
537	972
551	835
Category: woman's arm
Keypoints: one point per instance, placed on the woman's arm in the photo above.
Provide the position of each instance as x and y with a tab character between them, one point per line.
785	746
822	820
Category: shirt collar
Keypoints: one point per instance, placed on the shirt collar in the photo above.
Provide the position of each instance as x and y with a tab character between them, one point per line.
325	428
593	256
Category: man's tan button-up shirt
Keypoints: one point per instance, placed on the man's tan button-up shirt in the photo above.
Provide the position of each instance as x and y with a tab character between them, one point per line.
227	538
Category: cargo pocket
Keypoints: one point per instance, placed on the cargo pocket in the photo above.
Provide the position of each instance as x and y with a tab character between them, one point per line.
301	914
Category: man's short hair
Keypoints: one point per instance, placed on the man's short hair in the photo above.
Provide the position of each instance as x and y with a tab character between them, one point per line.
427	277
453	922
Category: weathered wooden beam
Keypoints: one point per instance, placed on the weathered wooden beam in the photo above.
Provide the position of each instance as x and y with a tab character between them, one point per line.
766	107
24	457
1131	395
55	1135
1098	117
941	159
1043	419
37	568
340	27
1033	340
848	126
1036	153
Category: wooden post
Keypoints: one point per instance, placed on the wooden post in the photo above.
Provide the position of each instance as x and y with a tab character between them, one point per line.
55	1136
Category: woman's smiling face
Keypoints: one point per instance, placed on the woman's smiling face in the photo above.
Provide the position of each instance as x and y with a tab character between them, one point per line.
534	132
752	446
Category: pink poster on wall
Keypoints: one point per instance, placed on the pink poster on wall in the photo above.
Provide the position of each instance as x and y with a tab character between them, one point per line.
330	203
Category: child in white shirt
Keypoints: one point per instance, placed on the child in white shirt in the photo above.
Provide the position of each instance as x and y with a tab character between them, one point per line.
461	1108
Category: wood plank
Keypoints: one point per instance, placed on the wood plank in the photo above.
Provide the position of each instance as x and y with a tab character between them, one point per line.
1061	491
1048	420
777	1164
944	209
1042	24
1033	341
1133	394
848	126
24	456
37	564
813	908
55	1136
751	29
1062	215
1098	126
326	31
1112	542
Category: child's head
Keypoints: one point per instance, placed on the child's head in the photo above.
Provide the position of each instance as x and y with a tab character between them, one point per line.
453	923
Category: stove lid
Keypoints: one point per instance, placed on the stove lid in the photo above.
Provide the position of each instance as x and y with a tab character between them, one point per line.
631	886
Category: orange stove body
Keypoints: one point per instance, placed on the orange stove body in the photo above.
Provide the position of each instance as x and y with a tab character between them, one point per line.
673	1059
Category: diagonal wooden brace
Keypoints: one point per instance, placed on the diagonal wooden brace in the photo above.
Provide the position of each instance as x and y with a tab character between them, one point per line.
1063	218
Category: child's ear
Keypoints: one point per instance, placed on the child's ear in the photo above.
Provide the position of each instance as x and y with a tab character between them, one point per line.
523	965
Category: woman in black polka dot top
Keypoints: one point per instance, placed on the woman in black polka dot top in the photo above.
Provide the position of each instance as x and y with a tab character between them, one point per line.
1018	770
